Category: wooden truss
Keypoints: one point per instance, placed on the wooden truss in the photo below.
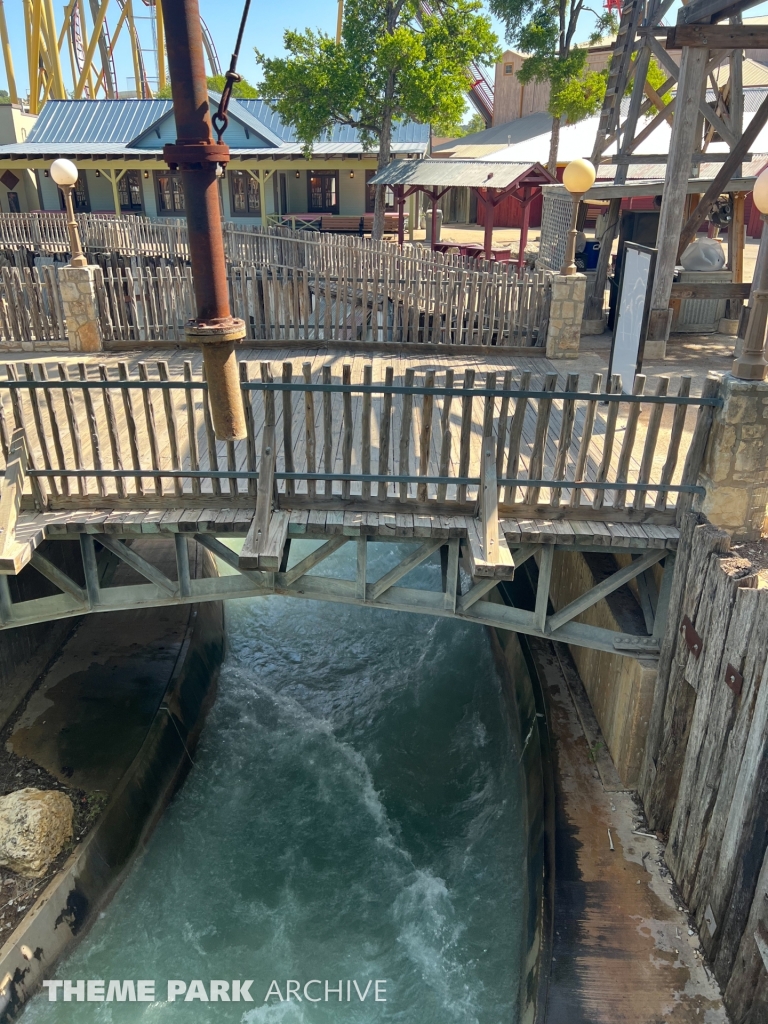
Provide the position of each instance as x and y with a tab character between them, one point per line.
694	121
473	604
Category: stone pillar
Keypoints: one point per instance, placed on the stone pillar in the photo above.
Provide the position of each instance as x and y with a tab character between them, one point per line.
565	314
735	467
81	311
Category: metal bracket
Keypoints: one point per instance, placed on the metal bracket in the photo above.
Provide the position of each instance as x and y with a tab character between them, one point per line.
734	679
693	641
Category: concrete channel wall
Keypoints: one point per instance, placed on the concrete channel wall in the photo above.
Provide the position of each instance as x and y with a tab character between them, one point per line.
90	876
522	692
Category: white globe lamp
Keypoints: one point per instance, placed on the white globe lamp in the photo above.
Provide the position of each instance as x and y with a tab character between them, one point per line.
65	174
578	177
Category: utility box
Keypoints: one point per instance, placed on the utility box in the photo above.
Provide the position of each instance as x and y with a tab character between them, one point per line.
699	316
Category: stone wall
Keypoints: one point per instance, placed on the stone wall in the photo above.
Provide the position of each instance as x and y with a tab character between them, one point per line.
565	315
735	468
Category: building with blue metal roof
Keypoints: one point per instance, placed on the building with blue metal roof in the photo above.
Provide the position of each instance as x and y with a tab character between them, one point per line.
118	147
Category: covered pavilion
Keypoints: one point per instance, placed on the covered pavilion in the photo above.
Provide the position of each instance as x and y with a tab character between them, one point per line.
490	181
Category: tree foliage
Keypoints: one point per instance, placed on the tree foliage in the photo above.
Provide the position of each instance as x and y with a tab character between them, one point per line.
476	123
545	29
395	63
242	90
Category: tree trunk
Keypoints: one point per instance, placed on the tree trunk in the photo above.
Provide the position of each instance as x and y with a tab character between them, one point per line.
554	143
385	152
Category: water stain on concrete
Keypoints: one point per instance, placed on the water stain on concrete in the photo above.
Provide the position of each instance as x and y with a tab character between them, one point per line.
89	716
621	951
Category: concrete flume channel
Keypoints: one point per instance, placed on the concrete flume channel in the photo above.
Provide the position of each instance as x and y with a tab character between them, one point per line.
368	802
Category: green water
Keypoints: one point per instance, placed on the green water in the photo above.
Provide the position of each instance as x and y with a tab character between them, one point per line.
353	815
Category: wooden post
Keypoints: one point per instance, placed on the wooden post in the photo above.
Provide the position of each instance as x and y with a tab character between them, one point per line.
690	92
433	194
399	190
490	214
527	199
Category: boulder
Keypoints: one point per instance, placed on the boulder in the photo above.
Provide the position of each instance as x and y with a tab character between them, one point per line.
34	826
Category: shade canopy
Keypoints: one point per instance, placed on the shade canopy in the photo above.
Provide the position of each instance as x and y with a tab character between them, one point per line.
427	174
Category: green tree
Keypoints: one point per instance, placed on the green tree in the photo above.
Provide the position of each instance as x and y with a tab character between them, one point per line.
545	29
476	123
242	90
395	63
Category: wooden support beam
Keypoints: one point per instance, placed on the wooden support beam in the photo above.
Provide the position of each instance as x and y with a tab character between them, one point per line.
314	558
362	566
603	589
58	578
422	552
542	589
489	502
90	569
227	556
137	563
452	575
718	37
473	596
10	502
724	175
182	564
711	291
706	11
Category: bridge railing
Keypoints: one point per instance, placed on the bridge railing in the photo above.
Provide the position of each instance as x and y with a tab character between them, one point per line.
108	436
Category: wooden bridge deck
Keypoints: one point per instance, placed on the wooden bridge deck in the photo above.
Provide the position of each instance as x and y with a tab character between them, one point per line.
486	460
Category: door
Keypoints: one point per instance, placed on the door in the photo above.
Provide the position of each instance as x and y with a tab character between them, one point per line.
323	188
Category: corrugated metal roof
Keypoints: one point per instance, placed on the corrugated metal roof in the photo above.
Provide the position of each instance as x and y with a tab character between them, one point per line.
453	173
96	121
108	127
401	133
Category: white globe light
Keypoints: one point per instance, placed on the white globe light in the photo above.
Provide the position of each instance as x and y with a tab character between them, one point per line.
64	172
760	193
579	176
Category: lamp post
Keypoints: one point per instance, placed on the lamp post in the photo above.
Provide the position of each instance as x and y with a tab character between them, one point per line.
578	178
64	173
751	364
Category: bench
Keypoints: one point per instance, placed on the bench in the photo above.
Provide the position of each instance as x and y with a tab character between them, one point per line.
357	225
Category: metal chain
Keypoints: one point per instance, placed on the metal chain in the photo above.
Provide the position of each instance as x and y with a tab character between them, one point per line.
220	119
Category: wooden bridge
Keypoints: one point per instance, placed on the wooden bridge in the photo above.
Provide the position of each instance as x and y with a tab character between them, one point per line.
486	471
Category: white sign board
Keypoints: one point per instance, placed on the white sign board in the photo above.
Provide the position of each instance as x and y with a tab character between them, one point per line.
632	313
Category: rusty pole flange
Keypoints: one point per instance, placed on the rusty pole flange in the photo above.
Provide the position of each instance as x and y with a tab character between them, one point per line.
215	332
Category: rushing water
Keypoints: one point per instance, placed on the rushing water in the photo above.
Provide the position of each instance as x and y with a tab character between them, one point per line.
354	814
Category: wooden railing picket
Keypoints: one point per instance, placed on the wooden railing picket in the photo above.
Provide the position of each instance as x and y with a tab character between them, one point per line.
586	440
189	402
40	429
328	446
425	434
465	436
54	425
149	419
288	428
649	449
538	451
170	425
673	445
130	421
112	431
74	432
628	444
385	433
614	388
310	442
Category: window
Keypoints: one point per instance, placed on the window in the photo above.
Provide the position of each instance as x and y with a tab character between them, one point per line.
170	193
13	202
323	191
245	198
80	197
129	191
509	69
370	195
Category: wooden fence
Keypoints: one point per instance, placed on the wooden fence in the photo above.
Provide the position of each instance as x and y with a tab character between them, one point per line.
705	776
30	307
104	435
396	303
288	284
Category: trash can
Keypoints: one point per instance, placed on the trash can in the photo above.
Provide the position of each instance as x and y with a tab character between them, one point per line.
428	216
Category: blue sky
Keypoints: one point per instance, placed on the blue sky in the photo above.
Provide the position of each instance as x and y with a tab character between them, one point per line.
267	22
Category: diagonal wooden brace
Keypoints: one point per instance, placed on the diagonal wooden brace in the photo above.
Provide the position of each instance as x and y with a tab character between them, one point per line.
137	563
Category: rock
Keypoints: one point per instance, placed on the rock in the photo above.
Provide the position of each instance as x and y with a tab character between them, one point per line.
34	826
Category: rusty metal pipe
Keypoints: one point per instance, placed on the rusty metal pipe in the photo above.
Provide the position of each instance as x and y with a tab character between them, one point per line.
200	161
